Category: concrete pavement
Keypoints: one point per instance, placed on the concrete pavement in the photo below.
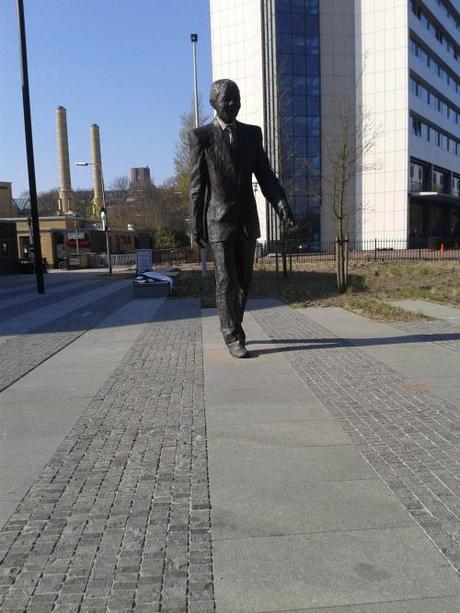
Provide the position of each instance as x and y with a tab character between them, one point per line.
300	520
144	469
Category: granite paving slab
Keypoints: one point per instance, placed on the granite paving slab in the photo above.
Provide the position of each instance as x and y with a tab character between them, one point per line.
331	569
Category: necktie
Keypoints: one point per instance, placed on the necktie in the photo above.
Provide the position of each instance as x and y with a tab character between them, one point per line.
231	138
230	135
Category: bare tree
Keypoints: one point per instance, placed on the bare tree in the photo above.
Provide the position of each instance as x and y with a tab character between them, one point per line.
83	202
182	160
120	183
48	202
347	150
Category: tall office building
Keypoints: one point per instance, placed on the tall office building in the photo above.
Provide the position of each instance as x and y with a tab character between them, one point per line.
312	73
434	118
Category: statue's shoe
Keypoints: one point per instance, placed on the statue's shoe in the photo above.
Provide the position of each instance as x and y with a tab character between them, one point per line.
238	350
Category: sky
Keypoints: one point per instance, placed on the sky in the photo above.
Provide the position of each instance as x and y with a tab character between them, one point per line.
123	64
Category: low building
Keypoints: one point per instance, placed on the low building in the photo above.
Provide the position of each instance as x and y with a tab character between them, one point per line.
6	199
62	237
9	262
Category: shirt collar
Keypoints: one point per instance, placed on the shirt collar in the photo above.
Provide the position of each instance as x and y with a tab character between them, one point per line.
224	125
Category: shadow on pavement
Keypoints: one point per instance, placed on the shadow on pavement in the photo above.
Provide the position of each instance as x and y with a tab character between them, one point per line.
337	343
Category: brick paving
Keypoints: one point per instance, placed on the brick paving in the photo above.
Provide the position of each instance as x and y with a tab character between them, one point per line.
119	519
442	333
22	353
408	435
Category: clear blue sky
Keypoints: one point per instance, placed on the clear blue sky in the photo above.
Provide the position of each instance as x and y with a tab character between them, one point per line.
123	64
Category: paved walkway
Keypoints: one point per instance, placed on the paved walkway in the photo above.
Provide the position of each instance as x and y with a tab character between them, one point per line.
146	470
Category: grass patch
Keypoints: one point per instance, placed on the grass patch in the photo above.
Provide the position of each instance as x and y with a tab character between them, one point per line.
372	284
373	308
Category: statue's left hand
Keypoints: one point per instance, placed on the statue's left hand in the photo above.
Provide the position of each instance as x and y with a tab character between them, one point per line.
285	213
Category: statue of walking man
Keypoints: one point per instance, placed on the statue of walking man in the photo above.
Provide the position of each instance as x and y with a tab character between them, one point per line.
225	154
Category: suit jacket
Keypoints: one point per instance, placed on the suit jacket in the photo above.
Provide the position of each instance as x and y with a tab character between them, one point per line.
221	193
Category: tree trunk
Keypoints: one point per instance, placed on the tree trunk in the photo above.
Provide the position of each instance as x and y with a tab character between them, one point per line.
341	253
283	252
338	264
346	262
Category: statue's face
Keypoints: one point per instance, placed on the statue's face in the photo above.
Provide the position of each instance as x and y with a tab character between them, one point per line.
227	104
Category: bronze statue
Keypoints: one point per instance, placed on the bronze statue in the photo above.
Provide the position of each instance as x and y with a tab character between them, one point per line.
225	154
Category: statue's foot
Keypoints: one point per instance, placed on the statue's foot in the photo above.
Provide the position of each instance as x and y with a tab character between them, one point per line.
238	350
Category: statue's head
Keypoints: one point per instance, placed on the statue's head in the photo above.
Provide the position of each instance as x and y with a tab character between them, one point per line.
225	99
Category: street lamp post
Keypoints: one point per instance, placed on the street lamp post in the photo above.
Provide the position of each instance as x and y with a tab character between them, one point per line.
38	262
194	40
104	217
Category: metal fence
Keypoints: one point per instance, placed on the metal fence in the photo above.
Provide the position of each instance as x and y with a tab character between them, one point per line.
175	256
119	260
160	257
378	250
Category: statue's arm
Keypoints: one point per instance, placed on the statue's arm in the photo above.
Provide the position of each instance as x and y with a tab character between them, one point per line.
197	185
269	183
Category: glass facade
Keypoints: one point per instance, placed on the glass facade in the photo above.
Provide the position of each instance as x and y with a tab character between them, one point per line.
293	47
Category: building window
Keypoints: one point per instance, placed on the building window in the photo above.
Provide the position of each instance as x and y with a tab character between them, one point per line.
416	126
432	135
456	186
450	78
418	174
440	181
428	97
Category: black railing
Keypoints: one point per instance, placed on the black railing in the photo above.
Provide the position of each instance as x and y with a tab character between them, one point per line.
177	255
431	248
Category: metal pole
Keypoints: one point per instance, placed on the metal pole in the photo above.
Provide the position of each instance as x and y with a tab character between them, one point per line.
107	236
283	247
76	238
194	39
38	264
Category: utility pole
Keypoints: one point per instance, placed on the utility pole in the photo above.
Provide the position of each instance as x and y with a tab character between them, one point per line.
38	262
194	40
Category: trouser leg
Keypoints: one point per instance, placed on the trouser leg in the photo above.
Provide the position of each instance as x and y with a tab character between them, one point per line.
244	256
227	289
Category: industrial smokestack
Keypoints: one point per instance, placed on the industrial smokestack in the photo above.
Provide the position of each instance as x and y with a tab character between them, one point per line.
65	191
97	170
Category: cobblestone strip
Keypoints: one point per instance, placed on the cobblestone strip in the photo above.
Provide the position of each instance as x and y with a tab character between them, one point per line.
442	333
409	436
120	518
23	353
